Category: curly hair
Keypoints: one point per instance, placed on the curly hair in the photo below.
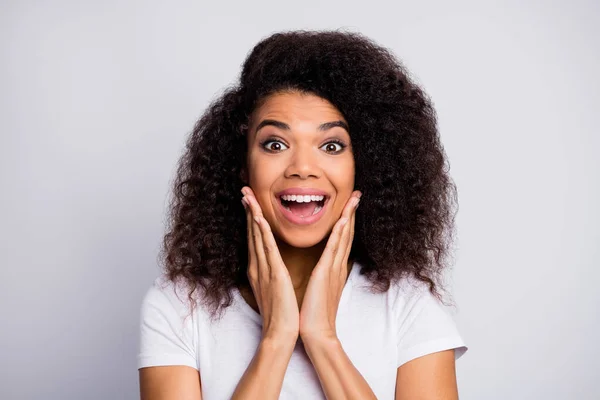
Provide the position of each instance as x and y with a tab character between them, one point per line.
406	222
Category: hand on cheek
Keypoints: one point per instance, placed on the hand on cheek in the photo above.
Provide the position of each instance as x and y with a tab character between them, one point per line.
269	277
324	290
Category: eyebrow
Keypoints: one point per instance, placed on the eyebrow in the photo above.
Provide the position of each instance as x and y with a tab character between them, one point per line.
282	125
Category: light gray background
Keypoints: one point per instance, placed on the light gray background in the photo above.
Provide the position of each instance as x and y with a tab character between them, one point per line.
97	99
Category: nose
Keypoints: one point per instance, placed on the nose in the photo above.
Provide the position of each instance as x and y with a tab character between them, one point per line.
303	164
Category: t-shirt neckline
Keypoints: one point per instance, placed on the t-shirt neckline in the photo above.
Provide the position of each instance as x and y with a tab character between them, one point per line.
257	317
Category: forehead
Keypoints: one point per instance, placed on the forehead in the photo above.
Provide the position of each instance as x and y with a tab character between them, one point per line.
296	108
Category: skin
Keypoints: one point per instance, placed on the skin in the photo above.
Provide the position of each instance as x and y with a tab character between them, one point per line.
302	160
315	323
310	261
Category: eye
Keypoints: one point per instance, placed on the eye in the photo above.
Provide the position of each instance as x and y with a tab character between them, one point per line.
275	149
333	143
273	145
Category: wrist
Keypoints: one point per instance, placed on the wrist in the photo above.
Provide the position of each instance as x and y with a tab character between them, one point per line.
319	347
279	342
320	340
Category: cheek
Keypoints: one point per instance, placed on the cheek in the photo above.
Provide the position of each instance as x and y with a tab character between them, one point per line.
257	170
262	178
343	181
342	178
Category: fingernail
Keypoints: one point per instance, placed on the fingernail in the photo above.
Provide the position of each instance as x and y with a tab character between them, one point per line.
257	219
245	203
359	195
355	202
344	220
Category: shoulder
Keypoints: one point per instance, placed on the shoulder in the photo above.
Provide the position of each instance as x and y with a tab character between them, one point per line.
424	324
167	295
410	296
408	288
168	330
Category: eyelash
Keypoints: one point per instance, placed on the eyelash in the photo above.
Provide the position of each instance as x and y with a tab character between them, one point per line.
336	141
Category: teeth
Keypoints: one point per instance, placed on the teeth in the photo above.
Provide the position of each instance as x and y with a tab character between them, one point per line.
317	209
302	199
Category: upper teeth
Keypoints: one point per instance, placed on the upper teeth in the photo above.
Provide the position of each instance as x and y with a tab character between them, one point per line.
302	199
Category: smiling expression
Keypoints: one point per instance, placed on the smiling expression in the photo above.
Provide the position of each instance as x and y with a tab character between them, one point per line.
300	142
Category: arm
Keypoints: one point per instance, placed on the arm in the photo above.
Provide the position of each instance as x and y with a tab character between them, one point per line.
168	368
264	376
431	377
339	378
170	382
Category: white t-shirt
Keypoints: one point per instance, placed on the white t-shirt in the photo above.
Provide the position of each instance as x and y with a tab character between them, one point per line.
378	332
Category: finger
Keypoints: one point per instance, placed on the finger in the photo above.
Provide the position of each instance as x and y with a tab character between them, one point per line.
345	233
264	268
348	231
332	246
254	204
247	190
350	239
252	259
270	247
349	207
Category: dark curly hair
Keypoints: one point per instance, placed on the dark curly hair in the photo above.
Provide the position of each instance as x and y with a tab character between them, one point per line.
405	224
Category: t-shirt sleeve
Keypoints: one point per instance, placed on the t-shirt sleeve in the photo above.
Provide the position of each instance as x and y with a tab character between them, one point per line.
167	334
426	327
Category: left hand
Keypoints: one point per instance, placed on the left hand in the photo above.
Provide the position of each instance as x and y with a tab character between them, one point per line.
328	278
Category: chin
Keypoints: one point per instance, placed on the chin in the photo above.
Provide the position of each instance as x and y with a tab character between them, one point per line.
302	240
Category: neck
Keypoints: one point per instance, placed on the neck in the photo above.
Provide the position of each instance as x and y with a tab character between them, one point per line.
300	262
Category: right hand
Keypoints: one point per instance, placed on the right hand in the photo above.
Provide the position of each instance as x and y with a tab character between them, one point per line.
269	277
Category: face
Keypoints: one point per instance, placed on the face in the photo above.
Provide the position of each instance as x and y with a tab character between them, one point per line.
298	143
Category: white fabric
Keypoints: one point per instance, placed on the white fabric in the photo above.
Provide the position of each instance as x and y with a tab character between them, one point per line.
379	332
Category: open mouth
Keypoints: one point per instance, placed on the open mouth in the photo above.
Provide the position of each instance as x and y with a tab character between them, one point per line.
302	208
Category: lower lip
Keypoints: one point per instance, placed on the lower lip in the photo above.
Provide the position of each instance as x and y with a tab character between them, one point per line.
295	219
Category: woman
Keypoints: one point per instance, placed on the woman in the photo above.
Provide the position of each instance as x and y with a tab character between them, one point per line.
298	292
